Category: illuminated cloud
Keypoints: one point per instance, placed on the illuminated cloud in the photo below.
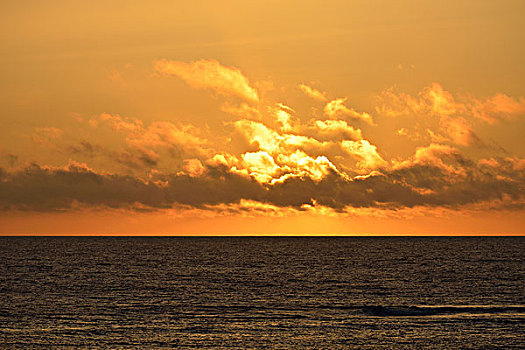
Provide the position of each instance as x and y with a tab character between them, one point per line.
283	116
313	93
137	147
181	139
193	167
263	137
440	101
303	165
210	74
435	100
498	108
281	155
459	131
260	165
244	111
336	109
432	100
118	123
336	129
365	153
439	156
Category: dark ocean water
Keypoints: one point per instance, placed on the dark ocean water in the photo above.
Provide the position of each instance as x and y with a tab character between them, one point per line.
262	293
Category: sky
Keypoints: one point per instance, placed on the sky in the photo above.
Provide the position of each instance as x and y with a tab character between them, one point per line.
262	117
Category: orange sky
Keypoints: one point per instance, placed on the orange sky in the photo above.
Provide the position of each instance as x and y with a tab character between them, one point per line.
250	117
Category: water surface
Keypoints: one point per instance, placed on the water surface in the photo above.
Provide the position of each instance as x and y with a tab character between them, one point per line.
262	293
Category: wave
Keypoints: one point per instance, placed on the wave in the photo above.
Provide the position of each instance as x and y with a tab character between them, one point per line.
385	311
368	310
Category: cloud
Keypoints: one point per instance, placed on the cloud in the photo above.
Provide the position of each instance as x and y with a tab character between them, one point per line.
129	145
7	159
46	135
440	101
85	148
433	102
260	165
498	108
115	76
446	177
280	159
283	116
313	93
305	166
145	143
193	167
119	123
210	74
435	176
130	158
335	129
259	134
336	108
280	155
296	154
440	156
39	188
459	131
366	154
244	111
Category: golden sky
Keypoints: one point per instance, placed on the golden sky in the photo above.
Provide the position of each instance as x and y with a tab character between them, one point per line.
262	117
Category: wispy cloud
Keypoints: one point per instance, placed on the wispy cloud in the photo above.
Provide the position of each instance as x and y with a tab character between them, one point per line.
337	108
46	135
498	108
313	93
434	102
210	74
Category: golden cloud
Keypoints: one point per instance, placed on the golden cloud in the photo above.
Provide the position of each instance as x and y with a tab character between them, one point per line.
434	99
459	131
210	74
366	153
334	129
498	108
243	110
336	108
433	102
313	93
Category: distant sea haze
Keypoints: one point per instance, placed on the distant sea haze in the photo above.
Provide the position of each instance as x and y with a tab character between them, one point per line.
262	293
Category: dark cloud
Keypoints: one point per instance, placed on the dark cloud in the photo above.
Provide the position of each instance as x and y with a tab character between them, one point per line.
12	159
130	158
454	182
43	189
8	159
85	148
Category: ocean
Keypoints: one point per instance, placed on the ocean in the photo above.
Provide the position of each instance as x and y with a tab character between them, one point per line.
262	293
